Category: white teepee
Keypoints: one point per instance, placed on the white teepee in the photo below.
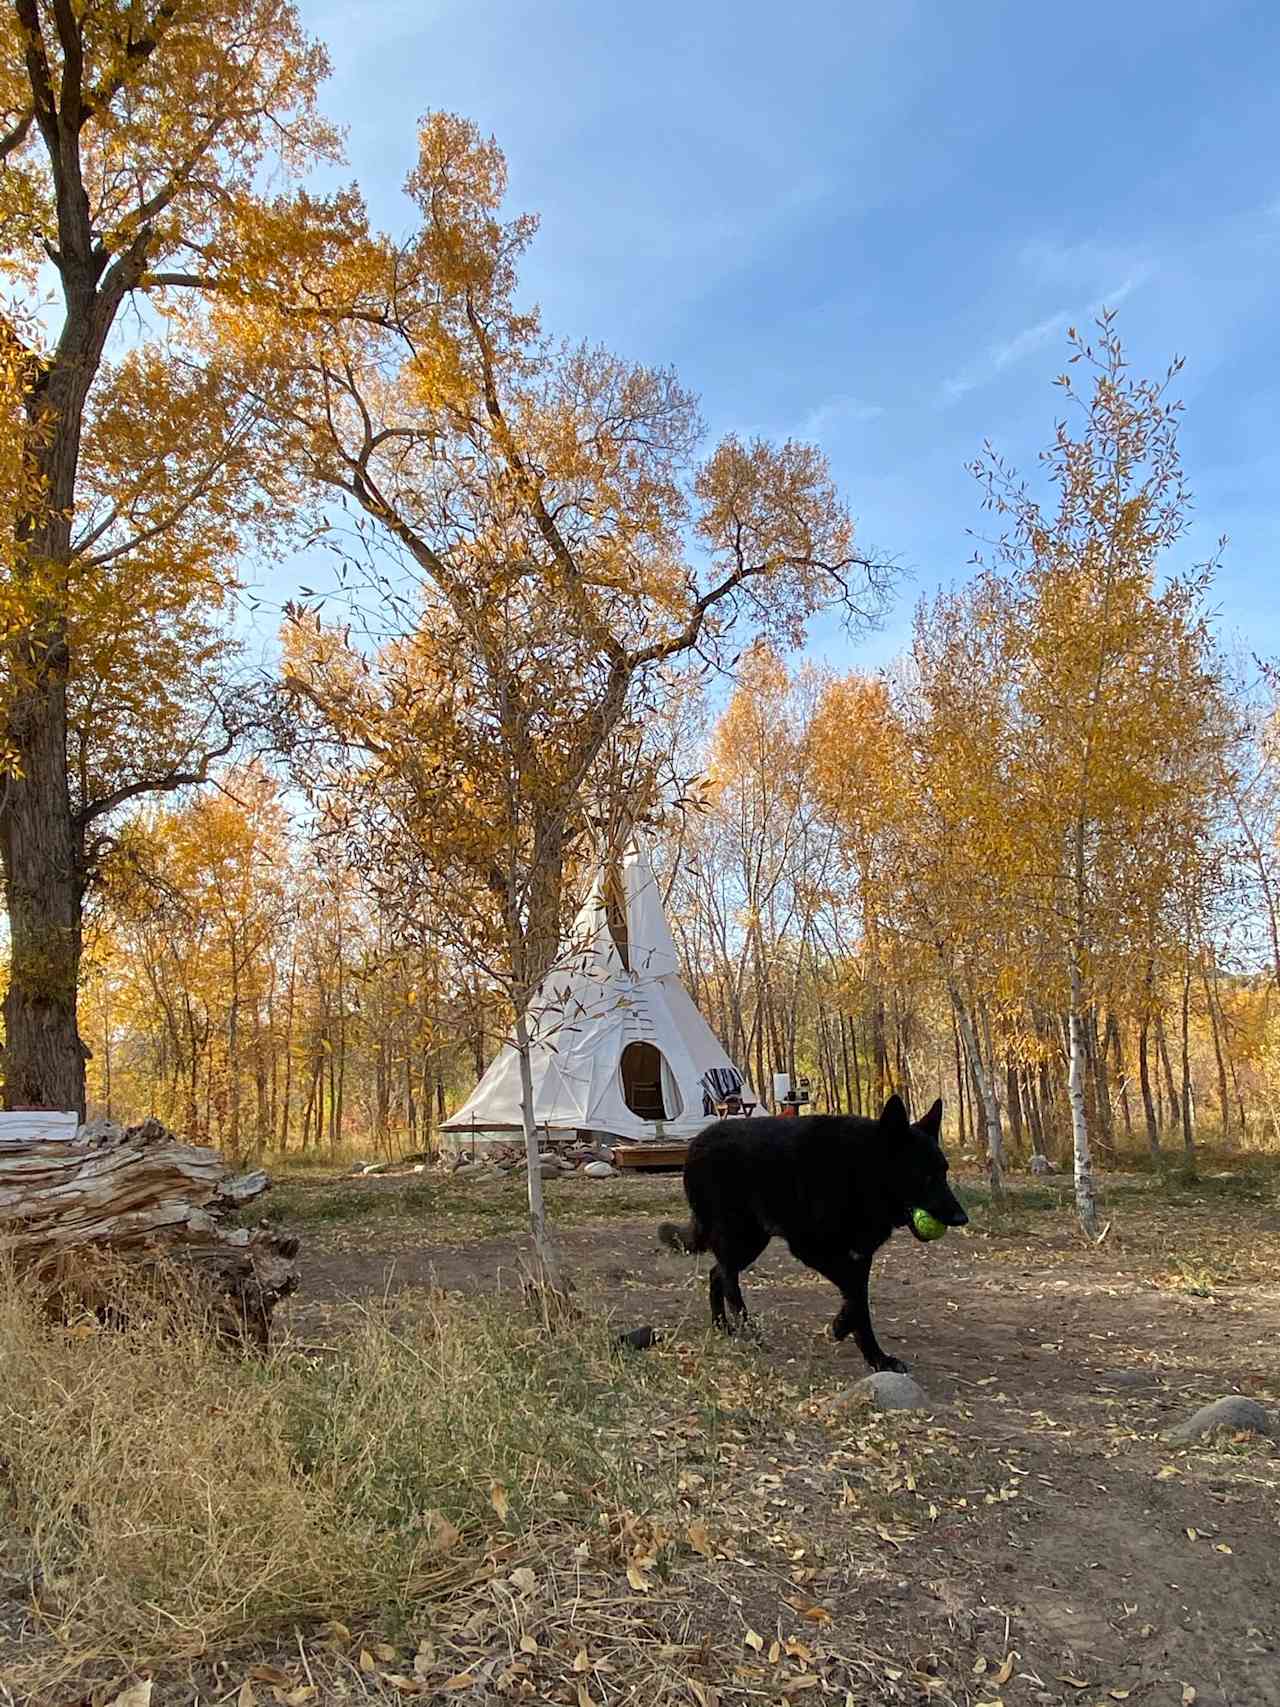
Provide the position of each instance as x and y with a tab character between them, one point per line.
616	1045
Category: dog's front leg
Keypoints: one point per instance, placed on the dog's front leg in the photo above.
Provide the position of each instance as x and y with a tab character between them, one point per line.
855	1315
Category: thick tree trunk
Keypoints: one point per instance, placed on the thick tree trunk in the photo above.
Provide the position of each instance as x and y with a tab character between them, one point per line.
146	1198
43	1055
41	841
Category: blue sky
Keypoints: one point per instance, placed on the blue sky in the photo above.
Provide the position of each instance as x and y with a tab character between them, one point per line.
872	224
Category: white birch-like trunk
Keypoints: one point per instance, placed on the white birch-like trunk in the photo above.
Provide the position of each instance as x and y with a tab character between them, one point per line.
1086	1191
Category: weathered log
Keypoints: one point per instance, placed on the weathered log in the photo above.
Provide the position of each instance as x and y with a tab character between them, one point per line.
70	1212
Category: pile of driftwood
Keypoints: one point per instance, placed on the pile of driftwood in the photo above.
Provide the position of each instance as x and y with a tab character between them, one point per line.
140	1201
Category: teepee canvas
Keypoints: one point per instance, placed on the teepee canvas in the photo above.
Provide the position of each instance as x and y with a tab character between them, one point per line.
617	1046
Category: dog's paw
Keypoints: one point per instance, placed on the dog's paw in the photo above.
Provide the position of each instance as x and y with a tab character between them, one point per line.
893	1366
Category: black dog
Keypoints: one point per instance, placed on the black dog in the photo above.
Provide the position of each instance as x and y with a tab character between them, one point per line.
833	1186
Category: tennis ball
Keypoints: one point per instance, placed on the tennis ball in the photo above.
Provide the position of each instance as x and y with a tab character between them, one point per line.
926	1226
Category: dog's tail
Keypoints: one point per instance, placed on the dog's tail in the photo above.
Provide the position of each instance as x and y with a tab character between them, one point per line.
687	1240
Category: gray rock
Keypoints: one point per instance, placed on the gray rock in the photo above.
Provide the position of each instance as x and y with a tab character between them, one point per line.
1235	1412
549	1168
358	1167
888	1391
599	1170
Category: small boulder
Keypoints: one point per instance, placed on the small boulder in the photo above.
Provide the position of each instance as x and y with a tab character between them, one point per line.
886	1390
599	1170
357	1167
1235	1412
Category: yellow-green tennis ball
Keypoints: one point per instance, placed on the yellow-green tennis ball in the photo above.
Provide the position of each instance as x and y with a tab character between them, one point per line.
925	1225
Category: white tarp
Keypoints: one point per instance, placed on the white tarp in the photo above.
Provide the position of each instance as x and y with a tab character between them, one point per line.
586	1012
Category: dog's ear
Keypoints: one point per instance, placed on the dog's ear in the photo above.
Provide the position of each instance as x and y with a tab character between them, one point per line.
893	1116
932	1122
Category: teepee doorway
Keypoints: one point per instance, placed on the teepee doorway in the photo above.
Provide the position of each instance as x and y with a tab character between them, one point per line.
641	1069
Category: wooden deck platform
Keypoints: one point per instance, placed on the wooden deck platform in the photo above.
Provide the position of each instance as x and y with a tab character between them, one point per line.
669	1153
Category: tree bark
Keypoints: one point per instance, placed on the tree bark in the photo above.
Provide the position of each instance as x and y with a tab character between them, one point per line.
1013	1101
985	1086
1162	1049
1144	1080
545	1258
1211	1002
1086	1193
1188	1133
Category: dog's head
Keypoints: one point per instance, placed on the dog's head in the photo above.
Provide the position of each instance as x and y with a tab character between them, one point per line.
918	1168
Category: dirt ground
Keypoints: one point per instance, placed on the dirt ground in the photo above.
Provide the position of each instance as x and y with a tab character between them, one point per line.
1032	1540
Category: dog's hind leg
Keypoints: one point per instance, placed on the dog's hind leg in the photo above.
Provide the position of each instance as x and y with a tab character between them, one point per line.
853	1276
731	1258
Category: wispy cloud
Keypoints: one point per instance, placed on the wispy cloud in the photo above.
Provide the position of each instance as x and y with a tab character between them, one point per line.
1009	351
837	412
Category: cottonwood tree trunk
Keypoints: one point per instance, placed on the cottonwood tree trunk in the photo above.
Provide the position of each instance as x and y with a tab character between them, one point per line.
44	888
1188	1134
1211	1002
1014	1101
1144	1080
1086	1191
1097	1059
1035	1118
1162	1050
1112	1039
41	840
985	1086
545	1258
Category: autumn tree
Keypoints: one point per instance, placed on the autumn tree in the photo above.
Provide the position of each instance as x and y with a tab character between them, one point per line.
1118	711
562	538
135	142
927	831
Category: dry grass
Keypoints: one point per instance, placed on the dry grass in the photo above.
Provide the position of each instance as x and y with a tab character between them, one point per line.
166	1497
